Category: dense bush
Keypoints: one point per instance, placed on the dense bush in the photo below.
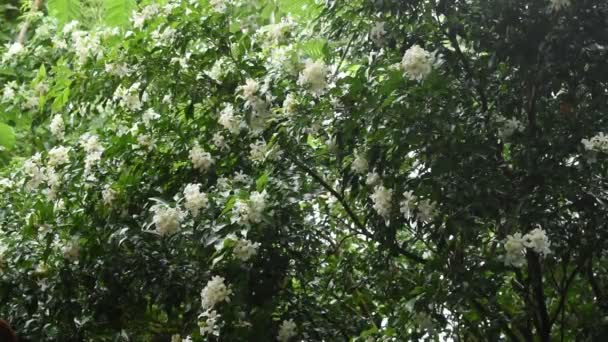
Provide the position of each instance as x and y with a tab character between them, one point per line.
291	170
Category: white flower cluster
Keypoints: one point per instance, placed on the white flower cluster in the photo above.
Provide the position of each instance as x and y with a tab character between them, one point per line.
149	116
248	212
12	50
256	97
260	151
287	330
215	292
360	164
8	92
417	63
229	120
71	250
195	199
290	104
220	69
557	5
220	6
33	168
93	149
201	160
245	249
508	126
167	219
164	37
382	200
515	246
118	69
139	18
426	208
128	98
314	76
59	155
57	126
211	323
598	143
378	32
86	44
108	195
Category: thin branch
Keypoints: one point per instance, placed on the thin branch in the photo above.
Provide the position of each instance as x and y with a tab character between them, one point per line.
349	210
36	4
536	277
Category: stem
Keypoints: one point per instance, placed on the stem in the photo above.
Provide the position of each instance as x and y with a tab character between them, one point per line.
536	277
36	4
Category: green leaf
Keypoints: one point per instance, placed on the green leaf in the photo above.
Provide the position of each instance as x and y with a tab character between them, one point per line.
65	10
118	12
261	182
315	49
229	205
7	136
300	8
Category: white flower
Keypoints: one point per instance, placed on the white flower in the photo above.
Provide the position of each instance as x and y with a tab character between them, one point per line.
377	33
247	212
53	181
218	70
211	324
35	171
538	241
139	18
120	70
314	76
6	183
372	178
108	195
245	249
360	164
250	90
219	141
149	116
201	160
290	104
417	63
287	330
90	143
426	210
215	292
57	126
557	5
12	50
220	6
228	120
598	143
71	250
195	199
514	246
382	200
408	204
129	98
59	155
260	152
166	219
8	93
164	38
508	127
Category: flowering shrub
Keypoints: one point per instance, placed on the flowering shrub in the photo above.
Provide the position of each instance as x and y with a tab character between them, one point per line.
304	170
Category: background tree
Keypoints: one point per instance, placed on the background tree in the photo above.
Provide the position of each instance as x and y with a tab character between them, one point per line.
284	170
